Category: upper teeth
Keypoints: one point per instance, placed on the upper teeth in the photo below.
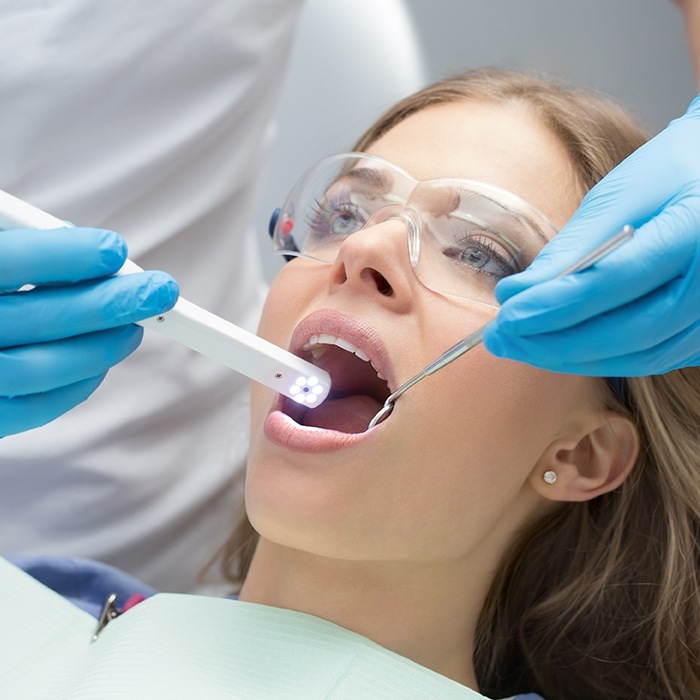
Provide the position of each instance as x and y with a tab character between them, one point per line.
317	346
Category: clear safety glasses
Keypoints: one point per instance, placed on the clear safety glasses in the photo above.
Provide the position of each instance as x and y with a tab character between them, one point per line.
463	236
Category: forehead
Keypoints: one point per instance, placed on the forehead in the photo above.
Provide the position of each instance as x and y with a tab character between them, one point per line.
501	144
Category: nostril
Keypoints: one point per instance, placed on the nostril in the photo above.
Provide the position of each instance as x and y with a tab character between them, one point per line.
383	286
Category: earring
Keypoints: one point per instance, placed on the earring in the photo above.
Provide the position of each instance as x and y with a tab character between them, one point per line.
549	477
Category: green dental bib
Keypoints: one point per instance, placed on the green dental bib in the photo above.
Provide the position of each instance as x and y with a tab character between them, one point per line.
180	646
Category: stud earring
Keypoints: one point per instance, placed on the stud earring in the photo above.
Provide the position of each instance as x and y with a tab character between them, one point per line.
549	477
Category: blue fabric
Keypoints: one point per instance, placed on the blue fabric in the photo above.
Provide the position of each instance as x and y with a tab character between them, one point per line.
88	583
85	583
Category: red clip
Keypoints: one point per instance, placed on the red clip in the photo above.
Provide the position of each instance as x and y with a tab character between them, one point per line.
287	226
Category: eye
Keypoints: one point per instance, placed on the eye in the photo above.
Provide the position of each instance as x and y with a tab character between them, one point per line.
477	252
331	217
345	220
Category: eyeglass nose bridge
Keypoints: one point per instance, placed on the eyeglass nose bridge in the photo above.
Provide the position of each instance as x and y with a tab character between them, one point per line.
409	216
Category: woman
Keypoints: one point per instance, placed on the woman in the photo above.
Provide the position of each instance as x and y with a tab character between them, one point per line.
586	587
513	530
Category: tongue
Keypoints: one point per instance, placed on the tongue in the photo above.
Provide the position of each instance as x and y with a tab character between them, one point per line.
350	414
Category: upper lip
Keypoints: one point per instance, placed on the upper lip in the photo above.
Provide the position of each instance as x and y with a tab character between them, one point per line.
350	328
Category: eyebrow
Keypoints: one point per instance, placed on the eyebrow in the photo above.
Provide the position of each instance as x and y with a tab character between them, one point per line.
374	179
504	210
438	201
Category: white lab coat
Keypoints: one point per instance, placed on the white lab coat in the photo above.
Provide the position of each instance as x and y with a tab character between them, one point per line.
154	120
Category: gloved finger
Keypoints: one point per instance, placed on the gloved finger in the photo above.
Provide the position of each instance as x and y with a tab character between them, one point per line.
25	412
45	314
646	262
42	367
29	256
622	342
681	350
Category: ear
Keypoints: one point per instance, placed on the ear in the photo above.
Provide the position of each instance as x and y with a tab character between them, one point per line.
594	458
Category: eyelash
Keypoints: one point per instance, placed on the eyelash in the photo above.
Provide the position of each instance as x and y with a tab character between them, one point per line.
462	241
322	212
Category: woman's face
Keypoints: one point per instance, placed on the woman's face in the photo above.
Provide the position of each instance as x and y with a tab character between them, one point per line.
449	474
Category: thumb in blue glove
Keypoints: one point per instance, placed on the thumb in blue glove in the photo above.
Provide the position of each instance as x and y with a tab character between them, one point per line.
637	312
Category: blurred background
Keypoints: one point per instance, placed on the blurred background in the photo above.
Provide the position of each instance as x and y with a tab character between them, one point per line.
354	58
634	50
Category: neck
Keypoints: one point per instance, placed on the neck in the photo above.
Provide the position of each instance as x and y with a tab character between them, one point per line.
426	612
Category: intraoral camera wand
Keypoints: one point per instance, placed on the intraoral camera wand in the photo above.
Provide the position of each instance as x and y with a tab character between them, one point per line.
203	331
477	336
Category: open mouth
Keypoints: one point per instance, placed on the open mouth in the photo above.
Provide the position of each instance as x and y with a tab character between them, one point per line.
358	389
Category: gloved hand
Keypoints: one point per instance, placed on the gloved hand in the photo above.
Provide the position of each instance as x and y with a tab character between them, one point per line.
58	340
636	312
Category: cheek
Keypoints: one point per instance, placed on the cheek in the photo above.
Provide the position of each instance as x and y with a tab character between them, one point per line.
494	407
288	300
485	419
477	431
289	293
484	403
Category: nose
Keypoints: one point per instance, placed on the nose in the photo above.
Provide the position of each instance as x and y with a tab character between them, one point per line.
375	260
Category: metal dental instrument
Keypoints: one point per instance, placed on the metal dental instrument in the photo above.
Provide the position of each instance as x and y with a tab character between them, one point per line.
477	336
203	331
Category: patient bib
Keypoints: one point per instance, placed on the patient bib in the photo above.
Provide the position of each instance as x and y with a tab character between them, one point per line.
181	646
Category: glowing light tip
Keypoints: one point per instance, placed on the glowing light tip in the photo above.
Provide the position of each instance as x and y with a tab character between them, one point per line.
306	390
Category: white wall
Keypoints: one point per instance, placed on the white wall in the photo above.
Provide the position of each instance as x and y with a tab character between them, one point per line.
633	50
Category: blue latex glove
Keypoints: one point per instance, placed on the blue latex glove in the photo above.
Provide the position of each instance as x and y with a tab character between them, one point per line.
58	340
637	312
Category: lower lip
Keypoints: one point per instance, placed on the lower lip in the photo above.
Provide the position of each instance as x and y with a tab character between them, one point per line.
280	429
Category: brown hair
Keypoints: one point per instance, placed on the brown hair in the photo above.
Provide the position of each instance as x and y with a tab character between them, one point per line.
600	599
